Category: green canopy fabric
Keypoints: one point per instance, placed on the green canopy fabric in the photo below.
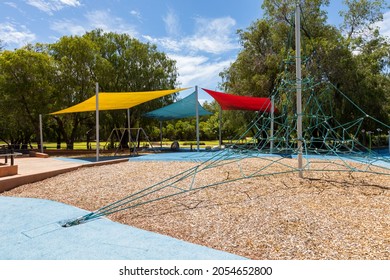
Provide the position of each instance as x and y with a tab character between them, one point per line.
183	108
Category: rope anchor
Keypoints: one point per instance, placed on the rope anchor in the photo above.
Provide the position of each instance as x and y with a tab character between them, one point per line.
75	222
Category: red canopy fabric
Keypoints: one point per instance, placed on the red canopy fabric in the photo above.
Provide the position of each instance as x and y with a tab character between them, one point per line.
237	102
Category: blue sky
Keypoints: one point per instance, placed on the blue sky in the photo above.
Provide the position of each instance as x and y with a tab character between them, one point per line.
199	34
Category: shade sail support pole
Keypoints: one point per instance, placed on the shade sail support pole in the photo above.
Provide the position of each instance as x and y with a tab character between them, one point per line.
40	133
220	126
161	138
97	123
197	118
272	124
128	128
299	85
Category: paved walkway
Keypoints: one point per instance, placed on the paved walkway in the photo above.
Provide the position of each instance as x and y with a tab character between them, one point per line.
33	169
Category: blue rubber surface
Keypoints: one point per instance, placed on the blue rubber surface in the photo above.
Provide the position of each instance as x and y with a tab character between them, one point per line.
30	230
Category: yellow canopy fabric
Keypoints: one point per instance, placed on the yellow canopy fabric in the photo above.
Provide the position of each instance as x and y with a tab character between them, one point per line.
117	100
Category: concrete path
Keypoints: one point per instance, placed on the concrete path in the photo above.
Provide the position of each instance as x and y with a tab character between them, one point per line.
33	169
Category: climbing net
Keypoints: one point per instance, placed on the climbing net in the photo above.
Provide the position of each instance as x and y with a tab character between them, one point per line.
329	145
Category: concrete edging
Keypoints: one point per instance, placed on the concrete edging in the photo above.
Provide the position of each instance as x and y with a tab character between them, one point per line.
16	181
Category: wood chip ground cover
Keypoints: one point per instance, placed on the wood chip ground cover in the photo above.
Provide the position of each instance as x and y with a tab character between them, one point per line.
326	215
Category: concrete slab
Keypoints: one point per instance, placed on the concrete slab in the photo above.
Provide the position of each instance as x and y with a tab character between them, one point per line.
30	230
33	169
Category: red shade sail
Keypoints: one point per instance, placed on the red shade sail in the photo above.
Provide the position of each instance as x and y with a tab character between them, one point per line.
237	102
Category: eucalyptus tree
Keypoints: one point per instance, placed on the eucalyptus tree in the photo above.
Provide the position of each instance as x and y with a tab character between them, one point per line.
26	90
118	63
328	52
77	61
131	65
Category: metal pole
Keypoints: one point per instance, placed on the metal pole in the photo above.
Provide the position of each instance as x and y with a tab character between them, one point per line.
161	138
389	141
197	118
299	85
129	130
220	127
272	124
40	132
97	123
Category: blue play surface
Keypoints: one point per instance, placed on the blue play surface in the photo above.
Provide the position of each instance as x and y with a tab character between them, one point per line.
30	230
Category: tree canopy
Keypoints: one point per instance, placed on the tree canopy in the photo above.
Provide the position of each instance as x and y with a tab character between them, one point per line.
42	78
354	57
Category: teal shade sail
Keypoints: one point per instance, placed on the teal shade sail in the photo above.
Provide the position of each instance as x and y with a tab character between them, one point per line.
181	109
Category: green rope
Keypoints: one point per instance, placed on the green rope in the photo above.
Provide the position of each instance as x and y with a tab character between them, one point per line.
333	141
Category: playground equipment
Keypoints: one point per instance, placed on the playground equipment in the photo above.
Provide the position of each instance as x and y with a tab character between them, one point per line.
134	137
304	137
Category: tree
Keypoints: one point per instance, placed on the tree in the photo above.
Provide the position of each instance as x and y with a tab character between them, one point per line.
77	62
360	17
268	54
130	65
118	63
26	90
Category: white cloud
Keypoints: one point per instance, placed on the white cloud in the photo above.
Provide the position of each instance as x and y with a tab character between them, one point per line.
172	23
109	23
11	35
65	27
50	6
95	19
11	4
199	69
215	36
203	55
385	24
136	14
73	3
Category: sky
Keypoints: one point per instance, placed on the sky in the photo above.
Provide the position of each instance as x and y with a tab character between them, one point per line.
201	35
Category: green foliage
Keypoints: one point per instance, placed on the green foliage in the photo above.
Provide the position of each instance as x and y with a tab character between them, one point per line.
26	90
355	62
45	78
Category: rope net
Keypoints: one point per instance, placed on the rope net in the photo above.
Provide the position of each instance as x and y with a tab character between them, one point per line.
268	146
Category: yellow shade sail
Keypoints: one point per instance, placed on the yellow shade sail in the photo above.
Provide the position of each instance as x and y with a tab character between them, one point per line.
117	100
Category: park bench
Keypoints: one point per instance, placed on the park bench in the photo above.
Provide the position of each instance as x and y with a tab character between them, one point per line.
8	153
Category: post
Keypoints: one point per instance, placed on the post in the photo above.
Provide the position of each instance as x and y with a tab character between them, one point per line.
97	123
197	118
129	130
272	124
161	139
389	141
369	140
40	132
220	127
299	85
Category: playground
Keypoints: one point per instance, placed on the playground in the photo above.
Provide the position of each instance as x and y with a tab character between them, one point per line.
325	215
307	178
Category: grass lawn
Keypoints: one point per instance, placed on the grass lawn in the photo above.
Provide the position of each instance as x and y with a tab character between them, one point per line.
83	145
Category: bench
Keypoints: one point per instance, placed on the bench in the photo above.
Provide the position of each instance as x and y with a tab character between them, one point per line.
11	155
7	153
5	169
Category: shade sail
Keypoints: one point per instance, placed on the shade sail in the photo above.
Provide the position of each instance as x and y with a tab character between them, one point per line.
237	102
117	100
183	108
